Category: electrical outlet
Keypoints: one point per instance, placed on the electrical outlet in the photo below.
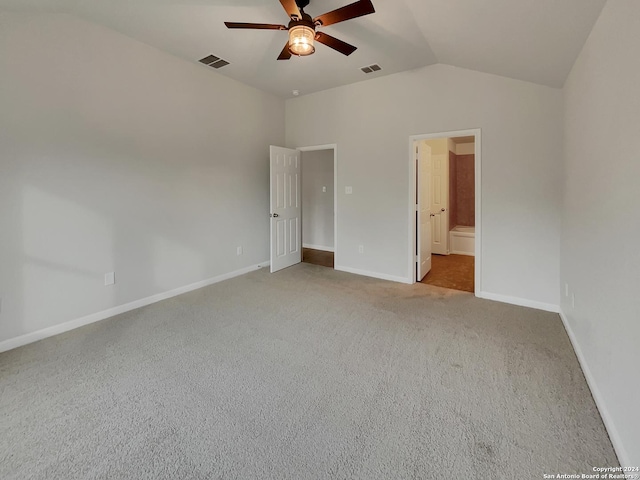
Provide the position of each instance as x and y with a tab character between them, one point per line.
238	250
109	278
361	249
324	189
348	190
566	289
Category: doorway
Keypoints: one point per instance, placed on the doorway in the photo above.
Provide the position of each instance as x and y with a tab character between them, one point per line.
319	195
445	209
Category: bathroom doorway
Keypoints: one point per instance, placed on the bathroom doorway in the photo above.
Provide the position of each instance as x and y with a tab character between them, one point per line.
445	209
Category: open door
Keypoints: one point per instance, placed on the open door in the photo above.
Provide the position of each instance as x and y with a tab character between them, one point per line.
440	203
286	211
423	209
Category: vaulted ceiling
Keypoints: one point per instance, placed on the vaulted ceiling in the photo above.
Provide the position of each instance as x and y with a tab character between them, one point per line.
532	40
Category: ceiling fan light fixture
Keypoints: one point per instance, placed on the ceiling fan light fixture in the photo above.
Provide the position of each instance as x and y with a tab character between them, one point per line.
301	39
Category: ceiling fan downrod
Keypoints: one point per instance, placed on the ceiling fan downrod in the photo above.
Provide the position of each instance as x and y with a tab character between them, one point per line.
301	4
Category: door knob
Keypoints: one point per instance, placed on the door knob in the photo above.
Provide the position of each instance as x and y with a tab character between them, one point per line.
433	214
275	215
442	209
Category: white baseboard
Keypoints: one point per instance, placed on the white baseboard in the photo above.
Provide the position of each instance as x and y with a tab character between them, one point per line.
27	338
318	247
621	452
381	276
522	302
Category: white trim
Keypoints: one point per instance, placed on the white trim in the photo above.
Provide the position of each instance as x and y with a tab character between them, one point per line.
318	247
614	436
477	133
456	252
381	276
27	338
334	147
522	302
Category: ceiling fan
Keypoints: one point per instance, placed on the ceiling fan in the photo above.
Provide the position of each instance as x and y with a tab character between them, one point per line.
302	28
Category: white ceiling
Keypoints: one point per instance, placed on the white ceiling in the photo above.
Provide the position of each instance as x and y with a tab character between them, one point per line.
533	40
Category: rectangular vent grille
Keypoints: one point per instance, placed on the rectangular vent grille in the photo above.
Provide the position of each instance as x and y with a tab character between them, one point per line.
371	68
219	64
213	61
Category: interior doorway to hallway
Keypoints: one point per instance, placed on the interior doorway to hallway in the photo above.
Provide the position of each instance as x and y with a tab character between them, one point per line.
445	209
318	205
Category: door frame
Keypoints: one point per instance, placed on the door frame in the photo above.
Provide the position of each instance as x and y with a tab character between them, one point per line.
477	133
334	147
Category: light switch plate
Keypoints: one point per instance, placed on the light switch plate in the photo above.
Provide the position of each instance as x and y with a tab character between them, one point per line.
109	278
348	190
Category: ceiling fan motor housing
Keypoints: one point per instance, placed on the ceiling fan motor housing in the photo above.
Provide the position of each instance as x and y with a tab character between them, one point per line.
306	20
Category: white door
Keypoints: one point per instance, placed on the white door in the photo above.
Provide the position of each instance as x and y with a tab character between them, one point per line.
423	209
440	203
286	212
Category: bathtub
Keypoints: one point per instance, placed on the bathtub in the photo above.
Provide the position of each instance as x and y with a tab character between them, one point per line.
462	240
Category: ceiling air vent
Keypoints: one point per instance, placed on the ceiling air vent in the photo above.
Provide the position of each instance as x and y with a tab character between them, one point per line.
213	61
371	68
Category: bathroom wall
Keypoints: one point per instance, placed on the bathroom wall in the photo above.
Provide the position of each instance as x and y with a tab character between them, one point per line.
462	187
465	148
462	208
465	190
439	146
453	189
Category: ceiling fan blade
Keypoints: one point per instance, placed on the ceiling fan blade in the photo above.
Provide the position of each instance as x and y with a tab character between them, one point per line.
355	10
336	44
291	8
255	26
285	54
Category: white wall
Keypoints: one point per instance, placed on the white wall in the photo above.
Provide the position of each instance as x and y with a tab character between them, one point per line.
115	156
521	140
317	206
601	219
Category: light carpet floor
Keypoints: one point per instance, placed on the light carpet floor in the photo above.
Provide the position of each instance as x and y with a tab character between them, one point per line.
308	373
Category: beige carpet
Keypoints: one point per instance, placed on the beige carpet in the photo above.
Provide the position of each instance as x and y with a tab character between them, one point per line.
308	373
